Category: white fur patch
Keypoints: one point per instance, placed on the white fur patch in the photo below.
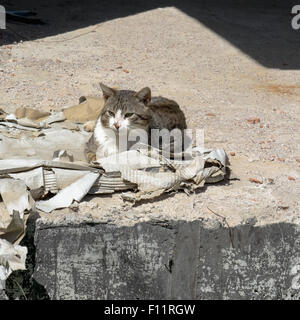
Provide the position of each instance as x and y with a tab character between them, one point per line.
118	115
123	123
111	121
106	138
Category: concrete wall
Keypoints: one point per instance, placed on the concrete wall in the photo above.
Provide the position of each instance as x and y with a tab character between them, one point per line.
167	260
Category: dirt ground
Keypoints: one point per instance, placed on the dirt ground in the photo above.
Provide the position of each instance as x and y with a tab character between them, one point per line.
236	76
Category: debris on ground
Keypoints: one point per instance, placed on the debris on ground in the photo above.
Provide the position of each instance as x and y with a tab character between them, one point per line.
41	171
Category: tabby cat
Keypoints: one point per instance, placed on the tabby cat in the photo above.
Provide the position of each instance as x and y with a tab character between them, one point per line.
127	111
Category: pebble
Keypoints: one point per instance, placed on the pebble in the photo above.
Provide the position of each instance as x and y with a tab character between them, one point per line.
255	180
253	120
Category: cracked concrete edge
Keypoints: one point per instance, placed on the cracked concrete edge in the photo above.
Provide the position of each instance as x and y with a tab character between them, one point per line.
177	260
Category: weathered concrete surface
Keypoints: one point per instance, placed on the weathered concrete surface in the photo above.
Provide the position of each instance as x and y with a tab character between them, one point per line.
224	62
174	260
224	65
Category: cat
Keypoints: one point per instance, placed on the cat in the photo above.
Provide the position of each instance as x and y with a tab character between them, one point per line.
130	111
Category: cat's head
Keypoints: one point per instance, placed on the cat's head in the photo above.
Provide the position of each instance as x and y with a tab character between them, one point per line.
125	108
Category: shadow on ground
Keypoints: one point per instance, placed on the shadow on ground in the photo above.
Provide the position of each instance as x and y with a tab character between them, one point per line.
20	285
261	29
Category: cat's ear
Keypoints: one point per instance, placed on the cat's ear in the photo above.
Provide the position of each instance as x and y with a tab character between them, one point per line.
144	95
107	92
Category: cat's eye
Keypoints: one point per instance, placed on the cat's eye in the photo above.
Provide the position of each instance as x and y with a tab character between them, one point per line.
128	115
142	118
110	113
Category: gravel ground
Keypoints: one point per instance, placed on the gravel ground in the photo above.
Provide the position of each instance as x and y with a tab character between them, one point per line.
246	97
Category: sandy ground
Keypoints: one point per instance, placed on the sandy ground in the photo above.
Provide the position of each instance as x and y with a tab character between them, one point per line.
219	85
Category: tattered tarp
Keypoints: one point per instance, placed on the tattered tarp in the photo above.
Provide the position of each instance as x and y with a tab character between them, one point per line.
30	134
41	155
142	170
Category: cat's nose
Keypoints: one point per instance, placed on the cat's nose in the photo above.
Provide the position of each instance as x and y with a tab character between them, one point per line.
117	125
